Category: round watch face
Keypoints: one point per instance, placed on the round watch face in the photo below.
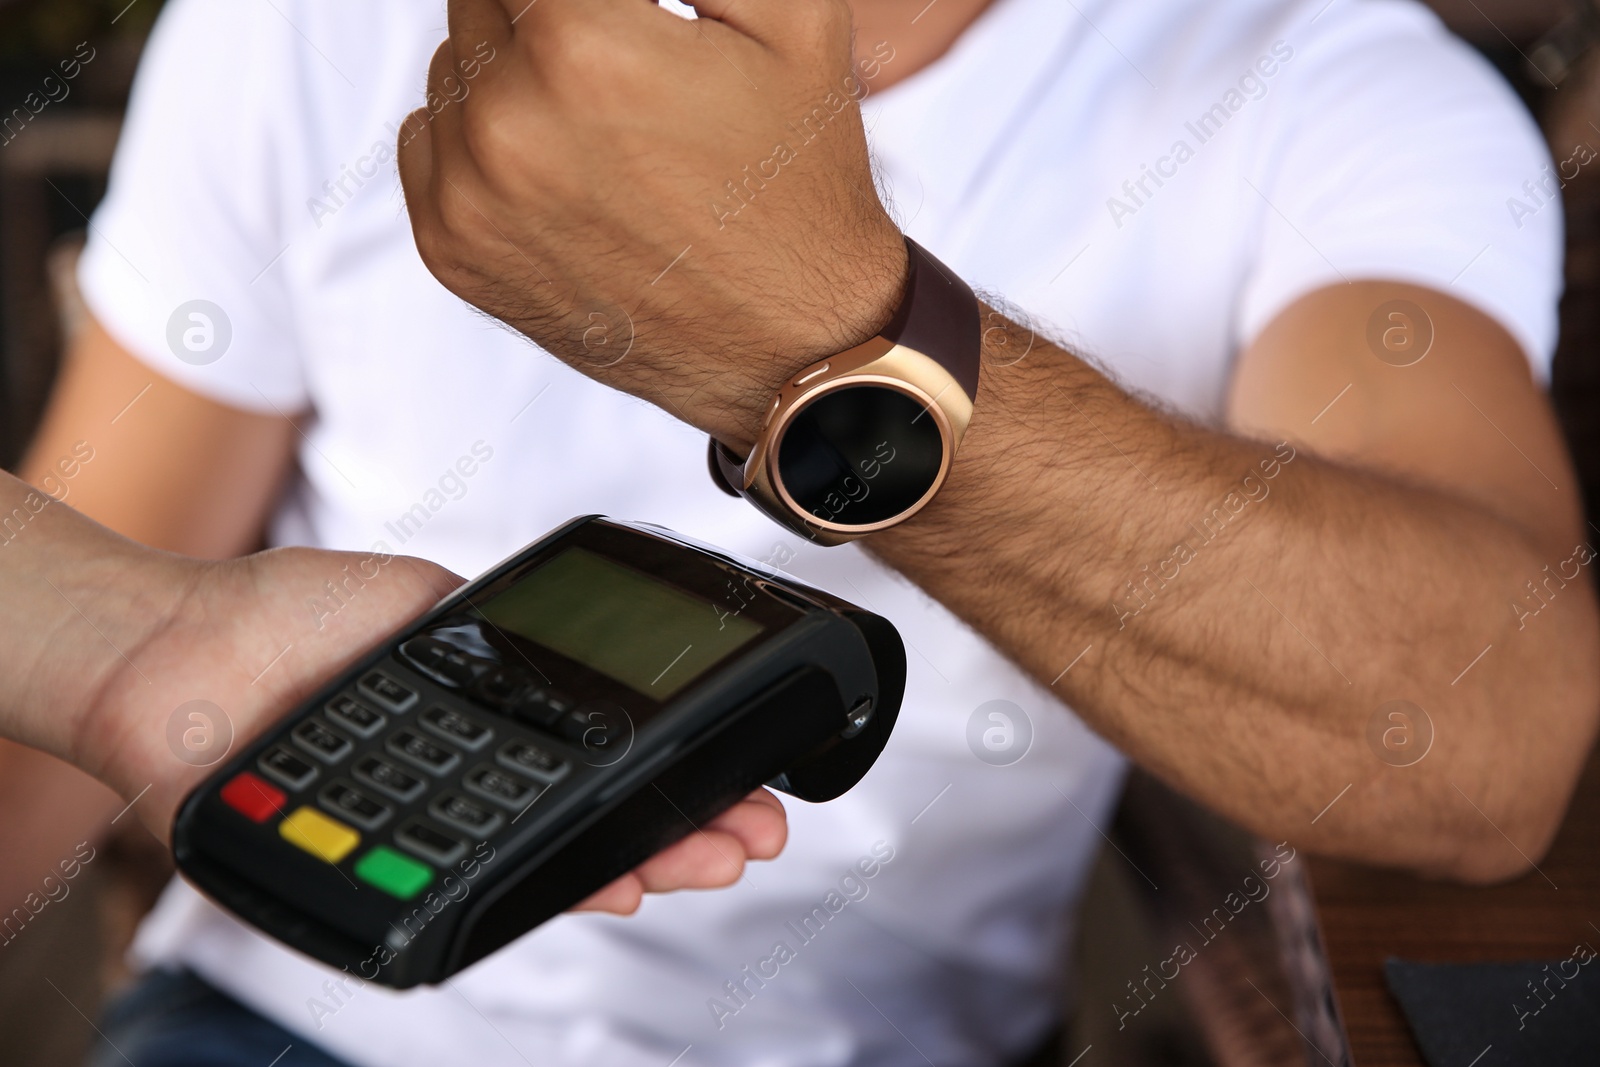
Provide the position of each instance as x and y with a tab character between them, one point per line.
860	455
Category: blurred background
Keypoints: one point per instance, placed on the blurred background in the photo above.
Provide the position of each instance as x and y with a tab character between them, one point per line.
57	137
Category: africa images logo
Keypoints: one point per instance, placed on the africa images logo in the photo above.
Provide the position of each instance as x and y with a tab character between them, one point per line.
199	332
999	733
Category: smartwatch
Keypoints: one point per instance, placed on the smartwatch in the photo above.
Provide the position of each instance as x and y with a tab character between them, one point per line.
862	440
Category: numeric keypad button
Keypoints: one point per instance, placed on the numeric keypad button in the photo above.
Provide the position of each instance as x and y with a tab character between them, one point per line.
389	779
454	726
468	816
430	843
354	806
321	742
418	750
530	759
286	768
389	692
502	787
346	711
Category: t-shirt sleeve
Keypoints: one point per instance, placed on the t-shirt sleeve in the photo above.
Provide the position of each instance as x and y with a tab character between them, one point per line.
1401	154
183	261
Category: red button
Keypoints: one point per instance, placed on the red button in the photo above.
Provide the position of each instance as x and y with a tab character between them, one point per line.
252	798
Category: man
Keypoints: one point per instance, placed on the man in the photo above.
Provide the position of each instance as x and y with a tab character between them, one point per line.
1317	477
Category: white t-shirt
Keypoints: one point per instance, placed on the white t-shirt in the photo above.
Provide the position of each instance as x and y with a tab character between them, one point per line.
1293	145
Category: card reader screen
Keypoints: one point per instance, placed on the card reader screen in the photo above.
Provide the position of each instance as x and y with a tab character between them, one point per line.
652	637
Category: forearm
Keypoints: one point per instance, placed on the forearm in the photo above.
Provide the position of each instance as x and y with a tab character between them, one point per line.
78	600
1238	645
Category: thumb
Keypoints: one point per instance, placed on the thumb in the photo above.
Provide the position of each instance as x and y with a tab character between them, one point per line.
355	618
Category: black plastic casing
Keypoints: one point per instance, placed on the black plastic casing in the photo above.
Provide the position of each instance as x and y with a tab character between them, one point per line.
783	710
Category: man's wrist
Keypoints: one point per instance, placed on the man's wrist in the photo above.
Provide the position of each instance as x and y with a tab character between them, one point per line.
872	284
869	283
996	475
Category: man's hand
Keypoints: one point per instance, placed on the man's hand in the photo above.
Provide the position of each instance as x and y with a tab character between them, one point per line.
681	209
104	642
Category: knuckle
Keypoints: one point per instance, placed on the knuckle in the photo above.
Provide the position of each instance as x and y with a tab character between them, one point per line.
429	238
413	147
584	47
457	218
488	130
439	66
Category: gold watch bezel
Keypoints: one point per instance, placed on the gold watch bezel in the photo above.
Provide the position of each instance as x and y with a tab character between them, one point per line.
878	362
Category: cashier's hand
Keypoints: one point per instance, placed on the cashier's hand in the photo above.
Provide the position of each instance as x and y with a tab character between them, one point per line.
253	637
574	173
753	829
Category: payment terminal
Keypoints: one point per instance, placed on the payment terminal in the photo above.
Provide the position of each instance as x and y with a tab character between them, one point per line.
540	732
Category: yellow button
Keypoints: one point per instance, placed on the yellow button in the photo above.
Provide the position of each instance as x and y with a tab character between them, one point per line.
327	839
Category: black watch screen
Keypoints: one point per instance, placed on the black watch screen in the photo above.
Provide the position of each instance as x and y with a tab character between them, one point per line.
860	455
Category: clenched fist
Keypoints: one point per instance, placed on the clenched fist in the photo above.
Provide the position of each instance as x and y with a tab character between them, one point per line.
682	209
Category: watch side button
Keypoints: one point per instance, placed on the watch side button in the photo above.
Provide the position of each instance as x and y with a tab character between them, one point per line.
815	372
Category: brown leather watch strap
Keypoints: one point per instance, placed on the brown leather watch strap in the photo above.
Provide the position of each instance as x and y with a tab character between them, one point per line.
938	316
727	470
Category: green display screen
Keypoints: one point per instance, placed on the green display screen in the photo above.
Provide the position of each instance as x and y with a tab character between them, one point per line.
651	637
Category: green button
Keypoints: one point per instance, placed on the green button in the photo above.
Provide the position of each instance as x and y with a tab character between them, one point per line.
393	873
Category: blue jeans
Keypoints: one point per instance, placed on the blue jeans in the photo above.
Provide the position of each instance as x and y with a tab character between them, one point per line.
174	1019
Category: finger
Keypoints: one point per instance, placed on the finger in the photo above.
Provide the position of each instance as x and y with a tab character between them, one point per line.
428	133
414	157
475	22
415	151
445	93
621	897
703	860
763	796
759	823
